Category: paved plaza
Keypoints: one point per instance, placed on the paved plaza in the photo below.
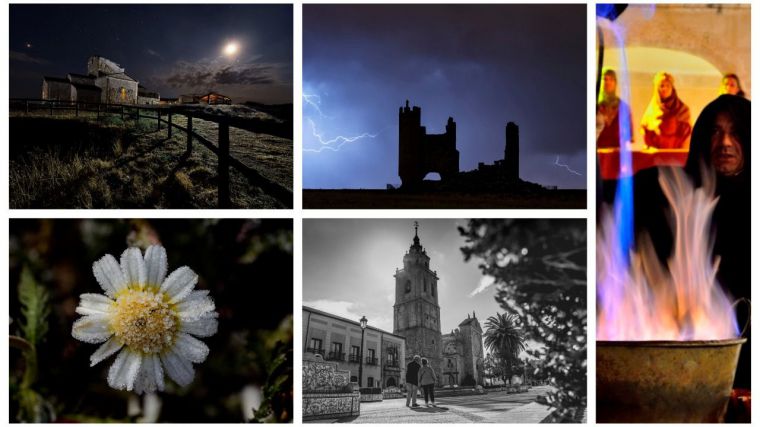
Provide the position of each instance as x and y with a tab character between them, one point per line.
494	407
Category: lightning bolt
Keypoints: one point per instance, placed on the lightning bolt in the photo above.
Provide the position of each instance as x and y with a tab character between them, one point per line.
562	165
315	101
333	144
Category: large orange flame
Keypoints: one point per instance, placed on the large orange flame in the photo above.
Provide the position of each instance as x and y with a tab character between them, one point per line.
639	299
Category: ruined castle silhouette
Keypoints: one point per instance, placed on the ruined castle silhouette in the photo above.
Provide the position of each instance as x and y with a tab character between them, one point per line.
420	154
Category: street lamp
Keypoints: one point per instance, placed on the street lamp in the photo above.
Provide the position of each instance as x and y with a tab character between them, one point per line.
363	324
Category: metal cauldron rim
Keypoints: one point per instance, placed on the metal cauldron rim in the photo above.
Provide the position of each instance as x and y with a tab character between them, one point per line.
672	344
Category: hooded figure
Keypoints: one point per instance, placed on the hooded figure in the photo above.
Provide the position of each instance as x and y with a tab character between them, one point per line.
610	108
721	140
666	120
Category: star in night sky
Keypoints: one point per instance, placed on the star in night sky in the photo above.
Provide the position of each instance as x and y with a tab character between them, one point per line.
242	51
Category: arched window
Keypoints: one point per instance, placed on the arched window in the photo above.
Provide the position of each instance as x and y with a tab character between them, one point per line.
123	94
425	285
408	287
391	382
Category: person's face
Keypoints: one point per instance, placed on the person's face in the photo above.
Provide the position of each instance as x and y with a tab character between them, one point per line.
665	89
610	84
726	152
730	86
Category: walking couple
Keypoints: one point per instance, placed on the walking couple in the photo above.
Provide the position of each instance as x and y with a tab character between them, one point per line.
419	375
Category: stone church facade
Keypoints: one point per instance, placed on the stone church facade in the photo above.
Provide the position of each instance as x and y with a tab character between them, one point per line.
463	354
417	317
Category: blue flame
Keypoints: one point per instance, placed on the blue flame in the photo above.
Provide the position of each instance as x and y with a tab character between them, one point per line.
623	207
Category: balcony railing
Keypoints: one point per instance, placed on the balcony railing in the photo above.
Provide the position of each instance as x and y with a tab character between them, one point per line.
371	361
334	355
391	363
354	358
315	350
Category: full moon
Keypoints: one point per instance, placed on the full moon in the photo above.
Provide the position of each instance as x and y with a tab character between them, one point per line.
231	48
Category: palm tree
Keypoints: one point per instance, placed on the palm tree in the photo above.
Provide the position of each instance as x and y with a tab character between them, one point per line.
505	340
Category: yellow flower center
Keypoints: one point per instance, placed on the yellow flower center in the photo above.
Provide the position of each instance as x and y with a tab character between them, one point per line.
144	320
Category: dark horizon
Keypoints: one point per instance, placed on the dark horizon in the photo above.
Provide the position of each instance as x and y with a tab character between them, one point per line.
483	65
170	49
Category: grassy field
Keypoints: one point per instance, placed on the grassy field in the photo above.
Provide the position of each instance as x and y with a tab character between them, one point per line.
67	162
383	199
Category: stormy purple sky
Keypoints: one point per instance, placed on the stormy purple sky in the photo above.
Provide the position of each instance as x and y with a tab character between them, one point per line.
484	65
171	49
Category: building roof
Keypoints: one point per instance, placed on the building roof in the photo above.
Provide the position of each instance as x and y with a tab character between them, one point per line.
82	76
353	322
122	76
85	86
215	93
469	320
55	79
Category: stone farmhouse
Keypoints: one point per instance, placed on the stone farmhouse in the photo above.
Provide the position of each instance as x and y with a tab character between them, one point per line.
105	82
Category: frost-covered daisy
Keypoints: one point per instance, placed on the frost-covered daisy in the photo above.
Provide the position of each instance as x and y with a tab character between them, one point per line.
150	319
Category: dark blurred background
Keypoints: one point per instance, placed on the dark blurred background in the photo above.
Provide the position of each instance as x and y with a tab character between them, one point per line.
246	264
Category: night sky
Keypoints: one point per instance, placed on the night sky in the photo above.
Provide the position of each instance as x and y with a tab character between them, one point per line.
483	65
171	49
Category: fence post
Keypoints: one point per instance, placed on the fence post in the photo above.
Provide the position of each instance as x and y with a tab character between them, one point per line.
51	108
26	106
158	120
76	109
189	135
224	164
97	116
122	114
170	123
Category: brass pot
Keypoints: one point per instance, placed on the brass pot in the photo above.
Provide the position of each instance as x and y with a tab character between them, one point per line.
665	381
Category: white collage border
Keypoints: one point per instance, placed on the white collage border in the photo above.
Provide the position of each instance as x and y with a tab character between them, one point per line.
298	213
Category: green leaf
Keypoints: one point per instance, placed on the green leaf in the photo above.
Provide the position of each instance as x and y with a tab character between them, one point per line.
34	307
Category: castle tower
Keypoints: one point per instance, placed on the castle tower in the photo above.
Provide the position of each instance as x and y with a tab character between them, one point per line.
416	313
410	139
512	152
472	348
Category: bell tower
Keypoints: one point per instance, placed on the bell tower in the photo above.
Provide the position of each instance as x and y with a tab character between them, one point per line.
416	313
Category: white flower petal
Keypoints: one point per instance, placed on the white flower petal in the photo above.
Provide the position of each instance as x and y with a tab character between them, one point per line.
123	372
180	370
106	350
109	275
151	375
196	306
94	304
204	327
133	267
91	329
190	348
156	265
179	284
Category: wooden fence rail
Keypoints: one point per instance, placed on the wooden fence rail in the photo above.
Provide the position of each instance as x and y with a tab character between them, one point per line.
164	114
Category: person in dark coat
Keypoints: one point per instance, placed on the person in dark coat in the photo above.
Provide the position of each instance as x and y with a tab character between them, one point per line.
721	140
412	381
